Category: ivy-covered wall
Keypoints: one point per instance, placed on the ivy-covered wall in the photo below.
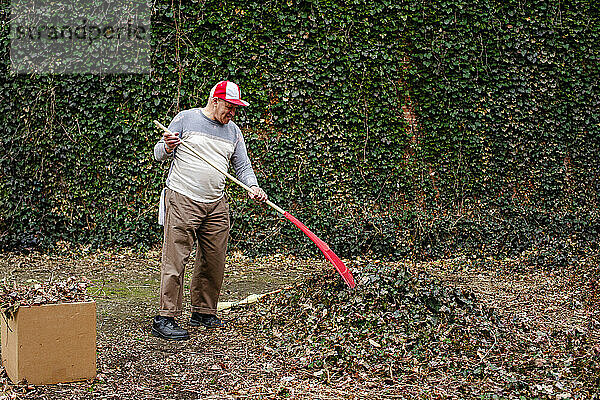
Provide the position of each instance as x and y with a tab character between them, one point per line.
393	127
509	106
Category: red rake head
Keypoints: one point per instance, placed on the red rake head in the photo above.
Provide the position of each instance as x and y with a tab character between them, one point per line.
329	254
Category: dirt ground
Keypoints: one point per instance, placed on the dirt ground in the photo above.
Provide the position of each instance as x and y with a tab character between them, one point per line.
230	363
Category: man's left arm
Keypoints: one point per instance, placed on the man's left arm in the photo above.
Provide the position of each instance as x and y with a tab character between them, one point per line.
243	169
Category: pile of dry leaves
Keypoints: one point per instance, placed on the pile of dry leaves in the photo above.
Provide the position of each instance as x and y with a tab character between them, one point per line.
408	328
31	293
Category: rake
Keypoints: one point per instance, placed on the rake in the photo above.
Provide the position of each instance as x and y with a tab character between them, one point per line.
327	252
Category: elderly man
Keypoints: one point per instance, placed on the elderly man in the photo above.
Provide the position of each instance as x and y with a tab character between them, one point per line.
195	207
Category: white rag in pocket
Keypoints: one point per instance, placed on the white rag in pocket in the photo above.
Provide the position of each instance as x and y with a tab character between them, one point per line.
161	208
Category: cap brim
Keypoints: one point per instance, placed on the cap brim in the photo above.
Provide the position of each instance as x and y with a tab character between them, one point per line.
237	102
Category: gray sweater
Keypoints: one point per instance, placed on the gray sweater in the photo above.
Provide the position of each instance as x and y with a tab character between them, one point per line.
219	143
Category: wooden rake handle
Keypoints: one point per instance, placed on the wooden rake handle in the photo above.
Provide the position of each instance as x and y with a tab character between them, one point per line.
327	252
212	164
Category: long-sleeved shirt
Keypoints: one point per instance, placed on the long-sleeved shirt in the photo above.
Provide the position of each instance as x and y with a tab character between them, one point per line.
219	143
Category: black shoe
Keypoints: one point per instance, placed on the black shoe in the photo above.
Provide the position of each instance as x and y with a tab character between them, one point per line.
167	328
207	320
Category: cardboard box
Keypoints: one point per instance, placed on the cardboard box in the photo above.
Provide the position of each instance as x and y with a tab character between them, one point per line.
53	343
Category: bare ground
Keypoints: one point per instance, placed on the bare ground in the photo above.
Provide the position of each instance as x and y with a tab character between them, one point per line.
232	363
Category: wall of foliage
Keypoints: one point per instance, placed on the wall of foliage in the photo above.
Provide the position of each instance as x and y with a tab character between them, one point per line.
392	127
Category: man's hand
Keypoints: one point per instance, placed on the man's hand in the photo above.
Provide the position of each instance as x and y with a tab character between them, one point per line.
171	141
257	194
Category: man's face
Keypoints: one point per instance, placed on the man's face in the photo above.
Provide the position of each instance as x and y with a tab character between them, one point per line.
224	111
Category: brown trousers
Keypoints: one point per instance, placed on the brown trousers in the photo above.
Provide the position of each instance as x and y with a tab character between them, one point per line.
187	221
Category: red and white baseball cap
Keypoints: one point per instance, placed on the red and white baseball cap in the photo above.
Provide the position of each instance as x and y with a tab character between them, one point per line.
228	91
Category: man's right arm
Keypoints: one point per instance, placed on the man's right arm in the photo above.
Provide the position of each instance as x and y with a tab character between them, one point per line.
160	151
165	147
